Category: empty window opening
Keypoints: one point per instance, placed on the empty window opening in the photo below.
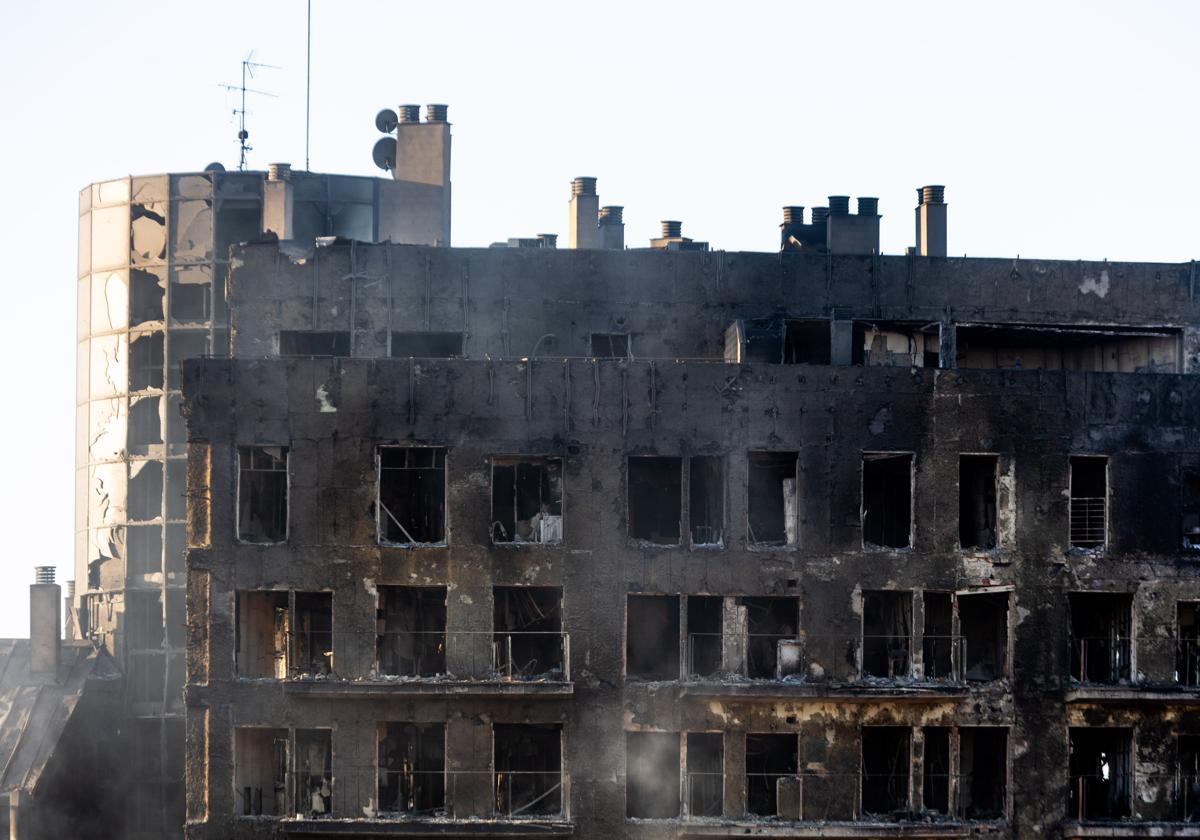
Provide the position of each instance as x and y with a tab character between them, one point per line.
652	637
758	340
146	361
146	288
1100	636
706	500
1113	349
1187	656
770	759
655	499
1101	773
771	502
412	495
1187	798
704	621
887	634
937	642
427	345
145	490
1089	501
412	768
282	634
527	500
260	768
983	624
1191	510
769	620
262	494
806	342
893	344
983	771
705	790
528	766
936	771
190	301
652	775
314	772
887	500
314	343
885	769
610	346
977	501
411	621
529	642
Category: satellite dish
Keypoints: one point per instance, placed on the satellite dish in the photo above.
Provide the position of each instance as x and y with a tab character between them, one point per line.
384	153
215	166
386	121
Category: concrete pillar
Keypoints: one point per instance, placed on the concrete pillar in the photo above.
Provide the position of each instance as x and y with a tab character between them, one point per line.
947	345
584	211
278	201
468	766
735	774
931	222
45	623
733	637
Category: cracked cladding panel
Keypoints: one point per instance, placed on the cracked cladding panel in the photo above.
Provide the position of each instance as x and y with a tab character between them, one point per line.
333	413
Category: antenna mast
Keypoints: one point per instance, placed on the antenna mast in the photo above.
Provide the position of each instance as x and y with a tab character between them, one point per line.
249	65
308	86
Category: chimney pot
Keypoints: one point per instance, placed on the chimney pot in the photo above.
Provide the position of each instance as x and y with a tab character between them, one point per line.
793	215
672	229
933	194
839	205
279	171
435	113
868	206
409	113
820	216
583	186
43	574
612	215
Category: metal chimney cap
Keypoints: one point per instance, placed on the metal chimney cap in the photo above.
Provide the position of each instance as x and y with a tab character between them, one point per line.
583	185
43	574
436	113
793	214
868	206
839	205
933	194
671	229
408	113
612	214
279	171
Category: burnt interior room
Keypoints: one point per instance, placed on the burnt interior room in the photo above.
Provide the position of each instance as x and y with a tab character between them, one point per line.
1100	626
412	494
528	640
528	764
806	342
887	499
1089	501
887	634
262	494
705	616
895	344
1101	773
652	775
983	771
412	767
1030	347
935	772
977	501
313	793
314	344
427	345
1191	509
1187	654
610	346
311	629
706	500
769	757
886	754
938	640
527	500
652	637
260	765
281	634
768	621
983	624
771	502
1187	801
655	499
705	791
411	630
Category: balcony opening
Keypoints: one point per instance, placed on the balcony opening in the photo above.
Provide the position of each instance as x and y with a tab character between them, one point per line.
771	500
411	631
652	775
427	345
887	634
260	769
769	620
313	344
314	772
936	771
704	621
277	640
1191	510
312	632
412	495
1101	773
652	637
1187	797
938	644
885	769
412	768
610	346
1100	636
655	499
705	794
977	502
887	479
1187	657
983	624
527	500
706	500
806	342
771	762
983	771
896	344
262	494
1089	502
528	764
1111	349
528	641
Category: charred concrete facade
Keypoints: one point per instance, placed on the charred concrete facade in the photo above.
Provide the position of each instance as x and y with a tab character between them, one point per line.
694	543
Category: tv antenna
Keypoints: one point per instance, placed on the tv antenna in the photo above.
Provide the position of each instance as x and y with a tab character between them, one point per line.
249	65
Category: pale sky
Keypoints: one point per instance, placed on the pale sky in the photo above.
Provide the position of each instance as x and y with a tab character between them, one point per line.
1060	129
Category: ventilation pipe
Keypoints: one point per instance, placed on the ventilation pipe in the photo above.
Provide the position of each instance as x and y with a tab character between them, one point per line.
931	221
612	228
584	209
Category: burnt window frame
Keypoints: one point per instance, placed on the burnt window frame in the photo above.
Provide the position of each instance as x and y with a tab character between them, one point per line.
674	674
723	464
912	499
863	773
997	544
381	735
1102	547
380	511
1189	542
1127	775
426	648
515	461
862	633
609	336
334	336
648	735
644	542
287	490
1121	654
754	544
564	798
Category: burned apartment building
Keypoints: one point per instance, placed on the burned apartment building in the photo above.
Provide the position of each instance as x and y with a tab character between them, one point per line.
674	542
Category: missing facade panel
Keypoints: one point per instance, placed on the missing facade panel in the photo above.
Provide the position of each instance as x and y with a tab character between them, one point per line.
610	346
262	494
652	775
1019	347
983	768
1101	773
896	344
411	634
1191	510
412	495
983	624
655	499
1100	636
309	343
527	500
412	768
887	634
977	501
806	342
652	637
770	758
887	499
706	500
1089	502
529	643
705	789
885	769
771	503
528	765
282	634
427	345
146	361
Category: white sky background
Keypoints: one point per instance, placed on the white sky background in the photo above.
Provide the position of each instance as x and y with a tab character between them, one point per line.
1060	129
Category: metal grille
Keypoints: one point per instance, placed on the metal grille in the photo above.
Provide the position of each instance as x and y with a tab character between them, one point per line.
1087	522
